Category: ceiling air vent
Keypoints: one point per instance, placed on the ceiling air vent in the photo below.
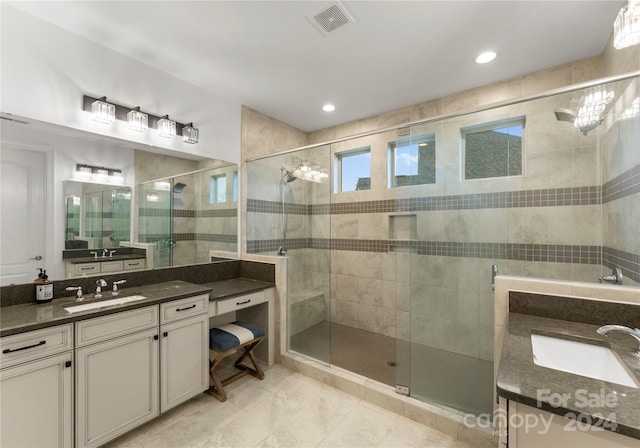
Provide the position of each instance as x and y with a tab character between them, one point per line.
330	18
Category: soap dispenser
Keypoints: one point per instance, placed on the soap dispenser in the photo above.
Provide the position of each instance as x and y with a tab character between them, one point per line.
44	288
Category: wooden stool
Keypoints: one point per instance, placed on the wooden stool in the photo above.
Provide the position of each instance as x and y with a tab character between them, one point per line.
227	339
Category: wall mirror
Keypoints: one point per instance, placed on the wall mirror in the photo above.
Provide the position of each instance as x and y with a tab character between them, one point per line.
81	216
97	216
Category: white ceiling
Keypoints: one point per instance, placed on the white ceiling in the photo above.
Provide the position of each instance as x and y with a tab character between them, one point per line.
266	55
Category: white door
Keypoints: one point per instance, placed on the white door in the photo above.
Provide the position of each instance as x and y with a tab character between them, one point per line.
22	214
36	400
184	354
116	387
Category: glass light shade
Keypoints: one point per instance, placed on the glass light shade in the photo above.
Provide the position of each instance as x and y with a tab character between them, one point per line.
626	28
166	127
190	134
83	170
138	121
103	112
591	108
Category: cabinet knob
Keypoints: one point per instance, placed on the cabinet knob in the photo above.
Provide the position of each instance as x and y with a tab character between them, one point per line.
165	334
67	364
155	337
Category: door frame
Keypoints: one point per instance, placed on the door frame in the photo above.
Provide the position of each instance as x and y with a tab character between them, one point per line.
49	243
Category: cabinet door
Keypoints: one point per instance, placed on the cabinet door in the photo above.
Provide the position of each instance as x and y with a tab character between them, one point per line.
116	387
35	401
184	358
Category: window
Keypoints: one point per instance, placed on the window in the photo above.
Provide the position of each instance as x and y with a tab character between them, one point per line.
412	161
218	189
493	149
353	170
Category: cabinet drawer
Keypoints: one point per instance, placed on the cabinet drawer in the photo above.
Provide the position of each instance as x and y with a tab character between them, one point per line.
239	302
27	346
130	265
87	268
103	328
111	266
179	309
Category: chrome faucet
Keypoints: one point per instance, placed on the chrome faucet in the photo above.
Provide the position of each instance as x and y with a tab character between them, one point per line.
78	290
111	252
633	332
114	290
615	278
104	253
99	285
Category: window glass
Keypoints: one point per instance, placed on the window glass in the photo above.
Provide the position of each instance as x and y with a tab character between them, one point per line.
235	186
493	149
353	170
412	161
218	189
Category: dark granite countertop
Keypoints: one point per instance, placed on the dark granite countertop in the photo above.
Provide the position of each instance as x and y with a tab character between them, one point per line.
520	380
21	318
235	287
77	260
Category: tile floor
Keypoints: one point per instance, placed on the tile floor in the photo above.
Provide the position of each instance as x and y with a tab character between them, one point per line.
286	409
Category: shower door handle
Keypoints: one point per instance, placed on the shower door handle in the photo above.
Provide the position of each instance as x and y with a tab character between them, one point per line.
494	272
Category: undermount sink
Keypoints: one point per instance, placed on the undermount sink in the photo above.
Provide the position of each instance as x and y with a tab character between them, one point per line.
103	304
593	361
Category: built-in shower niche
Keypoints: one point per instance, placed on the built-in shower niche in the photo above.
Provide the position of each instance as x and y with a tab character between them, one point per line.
403	233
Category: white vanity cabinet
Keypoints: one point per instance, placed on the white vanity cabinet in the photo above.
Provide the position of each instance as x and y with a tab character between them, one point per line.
36	388
116	374
184	350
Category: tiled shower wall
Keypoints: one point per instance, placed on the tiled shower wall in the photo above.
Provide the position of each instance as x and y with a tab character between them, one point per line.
547	223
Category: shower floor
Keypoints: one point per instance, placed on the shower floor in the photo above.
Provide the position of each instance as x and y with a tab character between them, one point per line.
438	376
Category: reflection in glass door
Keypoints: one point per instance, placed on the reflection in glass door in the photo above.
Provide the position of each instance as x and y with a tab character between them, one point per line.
154	221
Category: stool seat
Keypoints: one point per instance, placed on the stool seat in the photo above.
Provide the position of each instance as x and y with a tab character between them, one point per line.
231	335
226	340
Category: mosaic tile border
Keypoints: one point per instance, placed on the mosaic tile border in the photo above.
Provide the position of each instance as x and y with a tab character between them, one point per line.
214	213
551	197
626	184
212	237
557	253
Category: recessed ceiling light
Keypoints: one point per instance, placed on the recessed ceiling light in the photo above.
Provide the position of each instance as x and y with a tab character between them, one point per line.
328	108
485	57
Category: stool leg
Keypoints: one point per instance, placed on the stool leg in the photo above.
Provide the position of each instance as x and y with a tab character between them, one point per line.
217	390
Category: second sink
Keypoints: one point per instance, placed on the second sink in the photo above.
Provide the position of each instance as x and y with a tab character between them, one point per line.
593	361
103	304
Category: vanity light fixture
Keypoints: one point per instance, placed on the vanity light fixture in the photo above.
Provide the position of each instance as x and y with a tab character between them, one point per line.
138	121
103	112
99	173
626	28
166	127
190	134
485	57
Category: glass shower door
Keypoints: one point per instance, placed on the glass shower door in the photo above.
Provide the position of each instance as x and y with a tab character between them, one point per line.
155	221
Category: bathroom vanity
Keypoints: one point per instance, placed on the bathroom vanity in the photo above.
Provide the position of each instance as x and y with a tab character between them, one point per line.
102	371
551	407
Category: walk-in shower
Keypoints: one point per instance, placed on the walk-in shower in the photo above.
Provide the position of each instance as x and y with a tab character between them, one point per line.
389	270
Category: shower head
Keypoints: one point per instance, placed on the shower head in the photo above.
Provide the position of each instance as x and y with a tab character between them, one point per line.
565	115
177	188
287	175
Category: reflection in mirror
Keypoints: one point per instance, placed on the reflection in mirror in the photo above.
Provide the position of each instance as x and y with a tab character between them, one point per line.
190	218
87	219
98	216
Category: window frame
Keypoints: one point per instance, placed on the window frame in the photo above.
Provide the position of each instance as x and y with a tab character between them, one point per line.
391	148
338	157
488	126
213	188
